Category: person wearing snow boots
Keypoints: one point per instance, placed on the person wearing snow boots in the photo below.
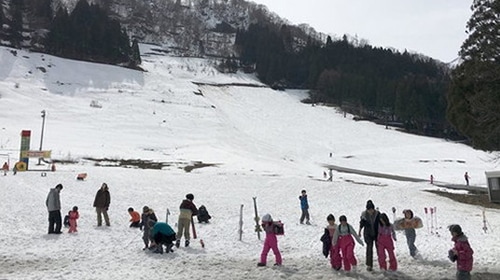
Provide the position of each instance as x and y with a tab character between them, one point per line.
328	247
271	242
304	206
369	222
187	211
147	215
461	253
343	239
53	203
101	204
386	235
203	215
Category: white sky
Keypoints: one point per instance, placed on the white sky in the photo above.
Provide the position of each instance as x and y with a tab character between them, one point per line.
435	28
266	144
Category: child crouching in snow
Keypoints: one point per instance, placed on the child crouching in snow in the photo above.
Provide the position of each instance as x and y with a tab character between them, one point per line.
271	242
385	243
343	239
73	216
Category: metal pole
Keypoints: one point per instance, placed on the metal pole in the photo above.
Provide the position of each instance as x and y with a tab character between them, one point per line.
41	137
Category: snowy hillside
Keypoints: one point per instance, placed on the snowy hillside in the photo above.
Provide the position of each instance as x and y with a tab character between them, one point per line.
248	140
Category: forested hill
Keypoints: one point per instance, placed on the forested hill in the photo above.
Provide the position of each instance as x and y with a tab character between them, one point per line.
408	90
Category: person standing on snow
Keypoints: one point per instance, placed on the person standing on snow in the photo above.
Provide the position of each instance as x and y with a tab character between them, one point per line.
271	242
101	204
147	215
461	253
385	242
53	203
328	247
187	211
342	238
466	177
410	234
304	206
73	216
369	223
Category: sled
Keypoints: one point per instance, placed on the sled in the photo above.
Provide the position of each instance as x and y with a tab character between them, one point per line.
402	223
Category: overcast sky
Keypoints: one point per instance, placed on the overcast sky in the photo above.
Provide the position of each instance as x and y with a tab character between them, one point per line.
435	28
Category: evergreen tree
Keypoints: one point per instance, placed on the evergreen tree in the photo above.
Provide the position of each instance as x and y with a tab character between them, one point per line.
16	24
474	98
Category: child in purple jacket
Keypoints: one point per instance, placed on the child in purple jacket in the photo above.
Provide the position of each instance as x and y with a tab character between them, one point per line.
461	253
271	242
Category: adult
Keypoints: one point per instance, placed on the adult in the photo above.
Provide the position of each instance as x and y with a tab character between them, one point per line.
162	234
53	203
101	204
369	223
466	177
187	211
304	206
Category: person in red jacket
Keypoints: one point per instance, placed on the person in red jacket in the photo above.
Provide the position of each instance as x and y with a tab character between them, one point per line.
73	216
461	253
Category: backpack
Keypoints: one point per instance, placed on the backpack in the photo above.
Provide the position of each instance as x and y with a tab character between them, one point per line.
278	228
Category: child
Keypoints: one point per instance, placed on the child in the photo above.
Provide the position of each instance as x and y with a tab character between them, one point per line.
73	216
328	247
135	220
66	220
203	215
147	215
304	206
385	242
461	253
343	239
410	234
271	242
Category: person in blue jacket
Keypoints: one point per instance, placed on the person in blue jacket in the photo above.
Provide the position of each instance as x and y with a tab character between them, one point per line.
162	234
304	206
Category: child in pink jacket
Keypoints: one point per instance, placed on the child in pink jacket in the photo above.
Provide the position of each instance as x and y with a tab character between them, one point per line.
385	238
343	239
73	216
461	253
271	242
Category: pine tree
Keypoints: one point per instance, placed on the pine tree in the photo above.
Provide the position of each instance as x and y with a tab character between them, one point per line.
474	98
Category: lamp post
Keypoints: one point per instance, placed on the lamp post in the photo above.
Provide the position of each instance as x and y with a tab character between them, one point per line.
41	137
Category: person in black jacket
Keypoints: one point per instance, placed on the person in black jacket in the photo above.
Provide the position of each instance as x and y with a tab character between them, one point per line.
101	204
187	211
369	223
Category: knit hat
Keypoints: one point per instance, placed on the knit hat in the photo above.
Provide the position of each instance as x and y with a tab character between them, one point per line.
369	205
456	229
190	196
267	218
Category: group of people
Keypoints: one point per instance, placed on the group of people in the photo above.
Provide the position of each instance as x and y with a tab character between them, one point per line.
377	230
53	202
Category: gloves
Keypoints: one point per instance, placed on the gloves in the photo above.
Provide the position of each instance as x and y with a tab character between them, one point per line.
452	256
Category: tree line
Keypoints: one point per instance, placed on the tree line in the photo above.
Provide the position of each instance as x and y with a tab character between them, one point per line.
374	83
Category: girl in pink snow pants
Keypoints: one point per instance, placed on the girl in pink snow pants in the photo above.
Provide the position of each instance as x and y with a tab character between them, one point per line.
73	216
271	242
385	243
343	239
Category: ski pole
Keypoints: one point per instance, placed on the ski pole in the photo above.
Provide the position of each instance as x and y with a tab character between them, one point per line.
436	216
426	219
393	214
432	219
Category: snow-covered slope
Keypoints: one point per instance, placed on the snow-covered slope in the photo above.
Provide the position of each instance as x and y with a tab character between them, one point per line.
257	142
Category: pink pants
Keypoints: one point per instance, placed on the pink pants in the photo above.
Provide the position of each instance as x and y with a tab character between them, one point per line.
271	242
335	259
346	246
385	243
72	226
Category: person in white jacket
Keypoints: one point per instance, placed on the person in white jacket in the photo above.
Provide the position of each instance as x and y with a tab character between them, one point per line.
53	203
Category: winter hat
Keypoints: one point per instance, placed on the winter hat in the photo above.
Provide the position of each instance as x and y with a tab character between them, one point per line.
369	205
456	229
59	186
190	196
267	218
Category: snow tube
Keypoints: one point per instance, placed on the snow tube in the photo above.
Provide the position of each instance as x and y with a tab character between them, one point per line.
20	166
